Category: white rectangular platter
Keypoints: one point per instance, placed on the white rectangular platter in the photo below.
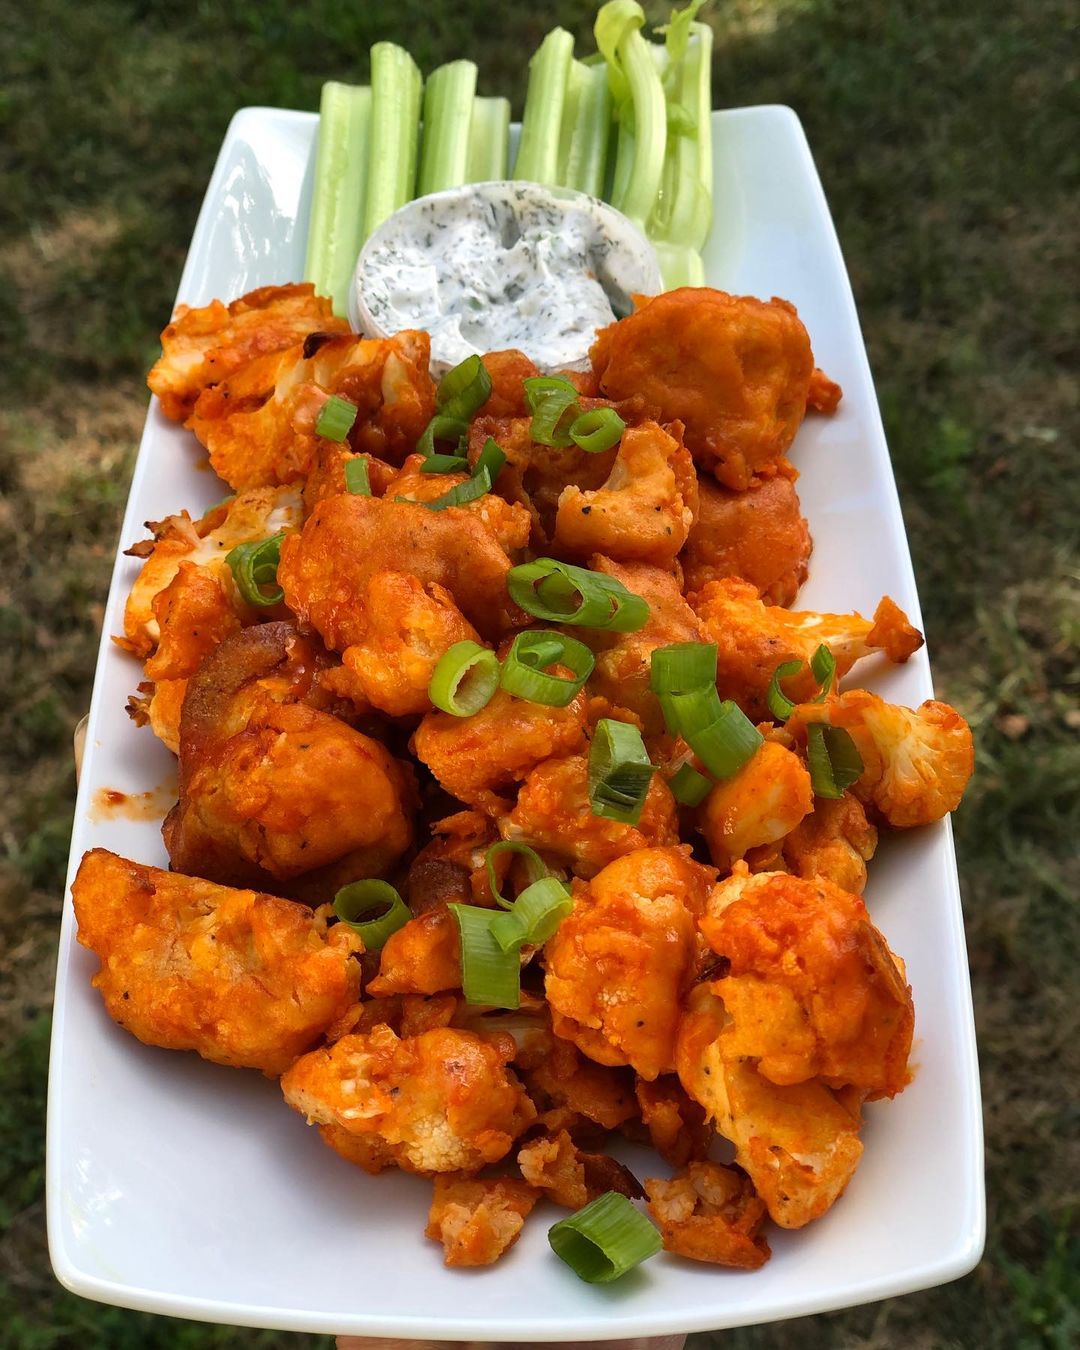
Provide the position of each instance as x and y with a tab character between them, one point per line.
179	1187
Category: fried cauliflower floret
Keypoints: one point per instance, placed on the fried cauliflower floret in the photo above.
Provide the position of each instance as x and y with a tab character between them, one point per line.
676	1124
508	371
570	1090
735	370
623	660
258	425
812	989
326	477
476	1221
619	964
555	1165
479	759
833	843
760	535
824	394
422	957
203	346
760	804
442	1101
753	638
509	522
643	512
241	978
204	544
710	1213
916	761
272	787
799	1145
553	813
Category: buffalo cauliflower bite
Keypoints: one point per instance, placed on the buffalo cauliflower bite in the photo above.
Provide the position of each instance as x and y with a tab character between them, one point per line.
753	638
799	1145
916	761
735	370
326	477
760	804
480	759
624	660
555	1165
508	370
812	990
571	1092
760	535
422	957
258	424
553	814
824	395
620	962
833	843
477	1220
643	512
442	1101
677	1125
270	787
241	978
509	522
710	1213
203	346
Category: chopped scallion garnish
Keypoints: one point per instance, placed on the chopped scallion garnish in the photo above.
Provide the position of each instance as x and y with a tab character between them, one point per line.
335	418
832	758
778	702
605	1239
596	430
535	868
465	679
357	478
619	771
464	390
561	593
823	669
254	567
442	427
689	787
719	733
534	916
368	897
525	673
445	464
682	667
489	975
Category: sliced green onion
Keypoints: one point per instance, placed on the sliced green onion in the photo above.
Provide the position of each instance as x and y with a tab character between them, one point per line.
489	140
780	705
445	464
442	428
688	713
464	390
535	867
596	430
720	734
682	667
558	592
551	422
357	479
335	418
488	974
395	132
448	111
605	1239
538	387
688	786
549	72
254	568
335	227
465	679
525	674
367	897
534	915
463	493
619	771
492	457
823	668
832	758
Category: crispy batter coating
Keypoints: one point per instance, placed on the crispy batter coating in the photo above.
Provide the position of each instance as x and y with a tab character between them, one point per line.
619	964
442	1101
812	989
326	477
476	1221
508	371
553	813
645	509
258	424
554	1164
735	370
760	535
241	978
754	638
479	759
677	1125
710	1213
452	867
760	804
272	787
799	1145
833	843
917	761
203	346
567	1088
824	394
507	521
623	660
422	957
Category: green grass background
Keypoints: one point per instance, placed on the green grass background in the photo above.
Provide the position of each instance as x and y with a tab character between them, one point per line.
945	135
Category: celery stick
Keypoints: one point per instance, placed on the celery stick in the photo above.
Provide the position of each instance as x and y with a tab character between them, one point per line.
549	72
448	111
640	107
489	140
337	203
395	129
586	129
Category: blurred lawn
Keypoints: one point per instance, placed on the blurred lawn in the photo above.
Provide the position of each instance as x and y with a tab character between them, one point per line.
942	136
